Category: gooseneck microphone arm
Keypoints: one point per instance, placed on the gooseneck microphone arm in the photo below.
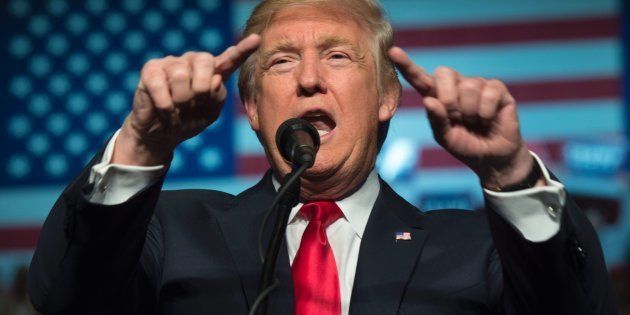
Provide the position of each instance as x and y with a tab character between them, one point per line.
288	200
298	142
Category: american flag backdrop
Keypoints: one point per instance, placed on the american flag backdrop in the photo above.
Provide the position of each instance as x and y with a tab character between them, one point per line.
69	70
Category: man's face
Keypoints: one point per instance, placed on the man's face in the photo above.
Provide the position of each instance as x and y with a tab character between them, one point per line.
315	63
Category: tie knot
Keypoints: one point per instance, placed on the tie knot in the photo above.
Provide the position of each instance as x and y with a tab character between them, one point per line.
325	212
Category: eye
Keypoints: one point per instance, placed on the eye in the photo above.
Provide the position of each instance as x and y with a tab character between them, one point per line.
280	61
338	56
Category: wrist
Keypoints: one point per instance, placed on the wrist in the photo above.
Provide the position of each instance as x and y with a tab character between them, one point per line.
520	172
129	149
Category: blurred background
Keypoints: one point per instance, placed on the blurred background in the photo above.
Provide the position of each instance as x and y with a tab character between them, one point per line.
69	70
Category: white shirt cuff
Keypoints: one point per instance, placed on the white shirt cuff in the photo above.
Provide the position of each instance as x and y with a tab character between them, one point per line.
116	183
534	212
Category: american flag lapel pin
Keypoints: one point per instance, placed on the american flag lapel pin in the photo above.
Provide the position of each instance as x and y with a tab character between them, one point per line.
403	236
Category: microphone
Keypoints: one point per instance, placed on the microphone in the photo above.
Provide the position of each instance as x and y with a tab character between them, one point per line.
298	142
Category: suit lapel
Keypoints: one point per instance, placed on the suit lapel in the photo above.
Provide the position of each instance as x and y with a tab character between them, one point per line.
239	226
282	299
385	265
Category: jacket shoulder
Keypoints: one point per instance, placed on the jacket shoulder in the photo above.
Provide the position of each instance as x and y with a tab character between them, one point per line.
459	221
457	215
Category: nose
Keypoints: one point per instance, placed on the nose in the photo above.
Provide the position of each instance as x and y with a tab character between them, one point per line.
310	78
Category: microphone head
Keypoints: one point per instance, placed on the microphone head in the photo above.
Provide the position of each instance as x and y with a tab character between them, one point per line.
298	141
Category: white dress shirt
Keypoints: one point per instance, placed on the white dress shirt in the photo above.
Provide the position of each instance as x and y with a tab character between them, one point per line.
534	212
344	235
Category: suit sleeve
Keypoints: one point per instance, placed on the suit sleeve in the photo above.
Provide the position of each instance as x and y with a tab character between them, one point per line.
97	259
565	274
534	212
116	183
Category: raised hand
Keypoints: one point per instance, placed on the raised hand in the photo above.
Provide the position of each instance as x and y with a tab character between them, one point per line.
474	119
176	99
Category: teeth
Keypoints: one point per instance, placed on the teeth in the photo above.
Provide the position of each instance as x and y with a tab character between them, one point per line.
322	132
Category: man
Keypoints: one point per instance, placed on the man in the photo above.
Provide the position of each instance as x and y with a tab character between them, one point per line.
115	244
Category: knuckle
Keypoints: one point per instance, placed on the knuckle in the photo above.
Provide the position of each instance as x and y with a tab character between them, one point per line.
178	63
160	105
204	57
496	83
153	83
469	84
231	50
179	72
216	82
491	95
167	60
150	68
165	108
204	62
469	105
152	63
163	103
448	99
199	88
486	111
470	110
444	71
189	54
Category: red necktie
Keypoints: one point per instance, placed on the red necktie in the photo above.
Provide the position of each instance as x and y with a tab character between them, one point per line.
314	271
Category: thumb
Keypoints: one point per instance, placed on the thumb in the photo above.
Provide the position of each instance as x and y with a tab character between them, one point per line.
143	109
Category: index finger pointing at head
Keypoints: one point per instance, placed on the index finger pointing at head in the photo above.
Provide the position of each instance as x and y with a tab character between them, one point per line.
234	56
414	74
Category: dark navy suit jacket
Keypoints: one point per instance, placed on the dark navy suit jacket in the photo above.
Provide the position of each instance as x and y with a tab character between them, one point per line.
194	252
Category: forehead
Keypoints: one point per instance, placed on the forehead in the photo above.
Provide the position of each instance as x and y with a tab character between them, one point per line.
319	23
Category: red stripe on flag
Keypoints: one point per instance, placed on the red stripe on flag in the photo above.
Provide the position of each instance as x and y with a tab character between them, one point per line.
430	158
531	92
570	29
13	238
252	164
437	158
566	90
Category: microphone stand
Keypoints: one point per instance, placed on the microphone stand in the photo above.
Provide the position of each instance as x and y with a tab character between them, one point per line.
298	142
286	202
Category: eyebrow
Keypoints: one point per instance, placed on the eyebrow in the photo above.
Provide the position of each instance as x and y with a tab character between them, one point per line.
336	41
323	44
282	45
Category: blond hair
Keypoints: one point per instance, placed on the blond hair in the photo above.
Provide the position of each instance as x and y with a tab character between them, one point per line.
367	13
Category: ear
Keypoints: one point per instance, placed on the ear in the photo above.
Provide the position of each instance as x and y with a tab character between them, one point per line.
252	113
389	104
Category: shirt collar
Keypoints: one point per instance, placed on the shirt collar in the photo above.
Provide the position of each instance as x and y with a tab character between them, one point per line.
356	208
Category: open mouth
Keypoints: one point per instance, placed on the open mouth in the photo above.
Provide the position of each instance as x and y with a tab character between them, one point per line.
321	121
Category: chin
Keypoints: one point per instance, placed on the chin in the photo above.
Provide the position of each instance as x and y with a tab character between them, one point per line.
327	167
323	169
317	171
